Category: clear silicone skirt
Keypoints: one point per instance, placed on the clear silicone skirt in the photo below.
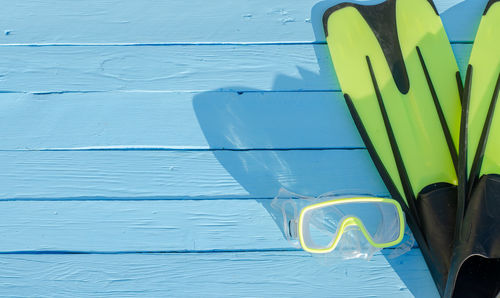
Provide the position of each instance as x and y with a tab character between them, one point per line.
344	226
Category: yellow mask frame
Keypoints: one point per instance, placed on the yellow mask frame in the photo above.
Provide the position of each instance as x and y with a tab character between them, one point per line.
349	221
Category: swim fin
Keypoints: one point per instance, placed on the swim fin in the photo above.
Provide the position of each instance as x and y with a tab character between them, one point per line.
397	71
475	267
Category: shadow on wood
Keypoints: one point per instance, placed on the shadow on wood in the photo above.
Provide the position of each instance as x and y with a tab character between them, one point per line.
231	121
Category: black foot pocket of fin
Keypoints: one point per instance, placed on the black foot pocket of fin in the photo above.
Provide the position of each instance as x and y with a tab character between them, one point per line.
436	205
478	277
477	257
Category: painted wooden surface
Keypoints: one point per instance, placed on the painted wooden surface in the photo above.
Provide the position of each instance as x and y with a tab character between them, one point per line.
274	67
174	225
150	21
142	142
184	173
177	120
235	274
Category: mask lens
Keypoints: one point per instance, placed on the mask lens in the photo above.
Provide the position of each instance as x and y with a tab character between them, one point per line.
322	225
381	220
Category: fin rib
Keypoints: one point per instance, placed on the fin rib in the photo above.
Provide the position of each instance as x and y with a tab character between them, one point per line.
412	222
389	183
462	163
439	110
478	158
460	85
403	174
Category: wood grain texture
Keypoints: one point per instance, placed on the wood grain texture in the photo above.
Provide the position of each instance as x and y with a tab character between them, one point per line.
149	21
184	174
113	226
279	67
176	120
137	95
257	274
97	226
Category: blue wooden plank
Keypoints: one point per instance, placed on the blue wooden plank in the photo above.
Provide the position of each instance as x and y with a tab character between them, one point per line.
250	274
461	18
141	226
184	174
113	226
177	120
149	21
171	68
